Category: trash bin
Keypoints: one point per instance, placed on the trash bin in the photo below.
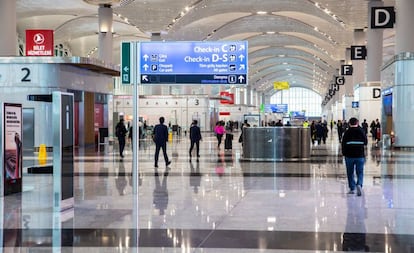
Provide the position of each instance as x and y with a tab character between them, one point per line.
386	141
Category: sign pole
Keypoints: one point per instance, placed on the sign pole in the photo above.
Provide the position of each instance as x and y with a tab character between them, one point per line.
135	73
135	118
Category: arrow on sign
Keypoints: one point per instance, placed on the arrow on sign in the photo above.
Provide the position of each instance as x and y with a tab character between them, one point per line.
242	47
242	66
126	69
146	57
241	79
146	67
145	78
241	57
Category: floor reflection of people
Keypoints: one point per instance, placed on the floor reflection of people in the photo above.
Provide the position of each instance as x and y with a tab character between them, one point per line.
160	193
220	165
195	176
376	155
354	237
13	221
121	181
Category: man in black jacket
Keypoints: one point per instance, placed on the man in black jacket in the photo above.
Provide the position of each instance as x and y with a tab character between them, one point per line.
353	148
120	132
195	138
160	138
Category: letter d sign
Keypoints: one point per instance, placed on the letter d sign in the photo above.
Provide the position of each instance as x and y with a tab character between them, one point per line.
376	93
382	17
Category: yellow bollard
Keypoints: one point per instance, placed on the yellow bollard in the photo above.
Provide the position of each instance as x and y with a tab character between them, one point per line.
170	136
42	156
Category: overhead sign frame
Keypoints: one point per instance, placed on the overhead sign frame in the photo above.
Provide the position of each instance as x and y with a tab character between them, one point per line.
207	63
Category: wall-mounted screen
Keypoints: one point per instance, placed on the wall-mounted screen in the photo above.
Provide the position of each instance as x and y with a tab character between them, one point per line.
387	104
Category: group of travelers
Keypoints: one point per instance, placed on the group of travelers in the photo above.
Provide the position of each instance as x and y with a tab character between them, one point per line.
375	129
352	136
319	132
159	136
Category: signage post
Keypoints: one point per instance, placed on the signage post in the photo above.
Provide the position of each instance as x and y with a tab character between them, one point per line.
135	147
63	164
63	143
150	63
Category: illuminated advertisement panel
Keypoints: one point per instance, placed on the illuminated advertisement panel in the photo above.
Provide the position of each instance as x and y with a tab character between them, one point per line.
13	156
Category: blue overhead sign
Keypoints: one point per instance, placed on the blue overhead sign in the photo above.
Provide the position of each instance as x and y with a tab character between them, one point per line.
276	108
193	62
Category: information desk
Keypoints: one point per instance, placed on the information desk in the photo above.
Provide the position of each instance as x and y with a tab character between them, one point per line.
276	143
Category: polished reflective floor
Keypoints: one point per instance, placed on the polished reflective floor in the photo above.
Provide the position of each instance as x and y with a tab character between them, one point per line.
217	204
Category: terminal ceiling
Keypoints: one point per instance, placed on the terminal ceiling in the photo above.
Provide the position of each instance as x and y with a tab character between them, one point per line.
299	41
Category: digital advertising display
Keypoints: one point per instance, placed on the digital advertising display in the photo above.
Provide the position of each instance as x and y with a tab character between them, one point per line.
13	156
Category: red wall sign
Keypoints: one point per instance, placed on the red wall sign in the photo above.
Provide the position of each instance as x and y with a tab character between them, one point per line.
229	97
39	43
224	113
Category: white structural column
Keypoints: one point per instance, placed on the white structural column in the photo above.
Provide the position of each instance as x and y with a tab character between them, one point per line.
359	65
358	77
374	47
105	32
248	96
403	90
404	26
255	98
369	91
8	38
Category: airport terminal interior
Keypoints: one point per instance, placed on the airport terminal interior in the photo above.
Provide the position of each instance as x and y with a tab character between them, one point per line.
71	69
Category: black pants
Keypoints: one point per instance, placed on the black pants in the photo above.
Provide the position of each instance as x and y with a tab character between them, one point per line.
197	144
121	141
219	138
157	152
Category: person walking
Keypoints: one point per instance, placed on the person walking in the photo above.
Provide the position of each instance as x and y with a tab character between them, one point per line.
120	132
220	131
377	131
365	127
353	145
160	137
243	125
373	130
195	138
339	129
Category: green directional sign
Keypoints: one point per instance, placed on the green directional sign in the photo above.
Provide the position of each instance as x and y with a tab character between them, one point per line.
126	63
